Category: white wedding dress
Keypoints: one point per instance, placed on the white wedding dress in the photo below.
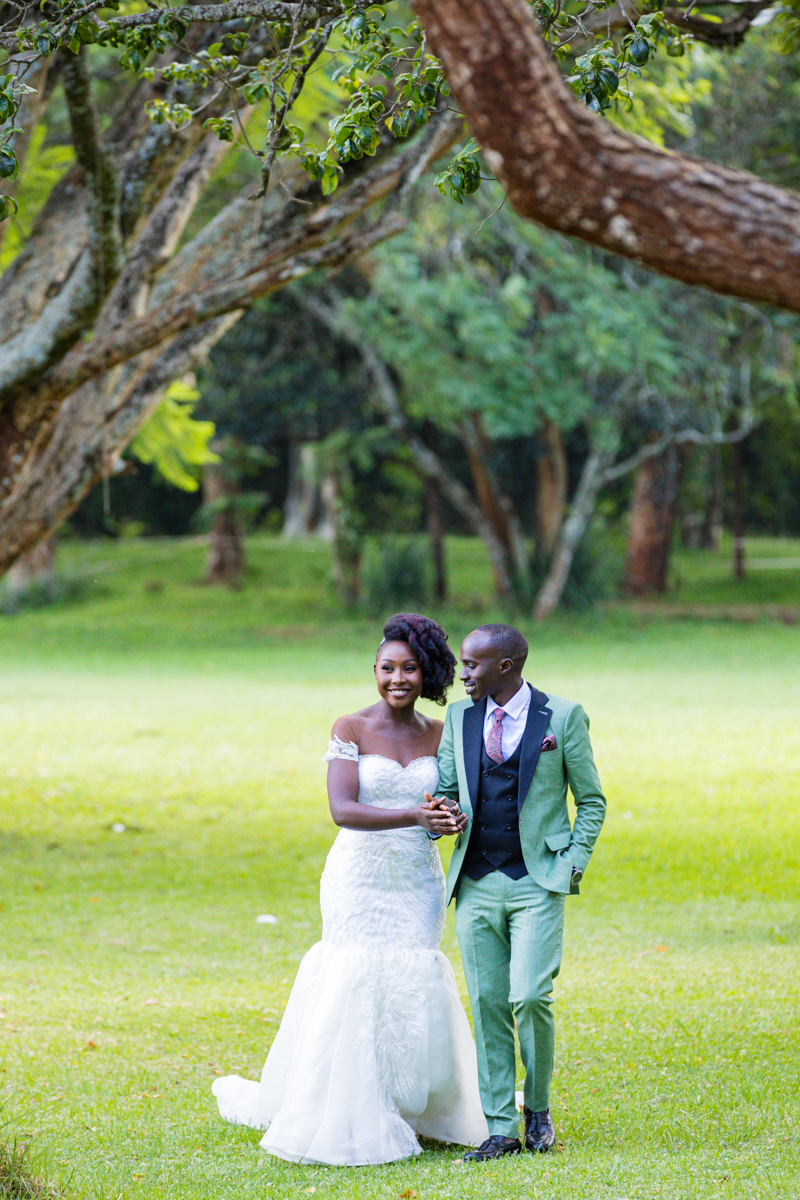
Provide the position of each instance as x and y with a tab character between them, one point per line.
374	1047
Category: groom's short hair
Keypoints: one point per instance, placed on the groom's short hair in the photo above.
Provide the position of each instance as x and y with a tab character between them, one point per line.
508	641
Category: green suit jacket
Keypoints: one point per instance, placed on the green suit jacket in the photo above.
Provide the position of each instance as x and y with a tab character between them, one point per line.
550	847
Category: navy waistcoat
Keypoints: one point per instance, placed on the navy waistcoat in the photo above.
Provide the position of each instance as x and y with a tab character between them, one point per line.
494	843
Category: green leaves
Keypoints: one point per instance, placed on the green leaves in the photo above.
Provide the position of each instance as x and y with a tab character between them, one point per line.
222	126
8	205
462	175
597	76
604	72
9	166
174	441
161	112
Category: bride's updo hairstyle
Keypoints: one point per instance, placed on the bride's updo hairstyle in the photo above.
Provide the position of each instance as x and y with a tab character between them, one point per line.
428	642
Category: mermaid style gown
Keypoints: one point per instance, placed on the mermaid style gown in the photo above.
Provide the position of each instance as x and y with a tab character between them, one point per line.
374	1047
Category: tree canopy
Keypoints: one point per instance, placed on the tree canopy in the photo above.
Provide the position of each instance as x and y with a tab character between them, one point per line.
209	154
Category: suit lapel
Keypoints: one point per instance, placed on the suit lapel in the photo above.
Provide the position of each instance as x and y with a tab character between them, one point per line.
535	728
472	736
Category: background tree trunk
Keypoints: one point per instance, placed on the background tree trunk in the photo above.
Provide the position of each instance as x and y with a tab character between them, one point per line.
652	516
714	509
433	515
496	506
551	485
225	552
738	510
345	539
572	532
302	508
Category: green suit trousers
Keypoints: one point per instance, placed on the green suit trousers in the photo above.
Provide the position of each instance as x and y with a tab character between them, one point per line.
510	932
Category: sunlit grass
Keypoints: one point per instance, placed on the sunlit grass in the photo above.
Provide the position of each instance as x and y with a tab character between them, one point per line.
132	967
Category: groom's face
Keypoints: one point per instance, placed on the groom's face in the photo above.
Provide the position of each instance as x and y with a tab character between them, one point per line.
483	670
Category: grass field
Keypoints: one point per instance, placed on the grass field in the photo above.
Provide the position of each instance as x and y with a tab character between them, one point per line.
132	967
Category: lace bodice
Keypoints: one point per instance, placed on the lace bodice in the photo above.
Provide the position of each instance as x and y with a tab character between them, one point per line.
385	783
385	885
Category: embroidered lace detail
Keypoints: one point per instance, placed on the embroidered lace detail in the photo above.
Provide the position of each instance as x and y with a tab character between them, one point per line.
339	749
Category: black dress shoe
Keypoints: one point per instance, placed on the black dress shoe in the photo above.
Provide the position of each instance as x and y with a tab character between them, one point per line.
540	1134
494	1147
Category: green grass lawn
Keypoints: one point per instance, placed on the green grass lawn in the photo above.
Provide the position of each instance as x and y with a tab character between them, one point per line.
132	967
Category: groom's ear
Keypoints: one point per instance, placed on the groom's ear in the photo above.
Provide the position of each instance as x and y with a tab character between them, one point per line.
506	665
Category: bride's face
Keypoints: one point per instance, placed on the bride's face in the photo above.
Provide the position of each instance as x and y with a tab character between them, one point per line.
398	675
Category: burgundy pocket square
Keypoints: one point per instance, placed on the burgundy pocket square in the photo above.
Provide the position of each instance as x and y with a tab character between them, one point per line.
549	743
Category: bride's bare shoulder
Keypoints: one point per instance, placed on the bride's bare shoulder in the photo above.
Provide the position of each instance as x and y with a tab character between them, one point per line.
353	722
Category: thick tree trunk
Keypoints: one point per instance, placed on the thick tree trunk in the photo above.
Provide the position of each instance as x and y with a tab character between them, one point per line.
38	561
569	169
64	419
652	515
225	551
433	517
50	460
87	436
551	485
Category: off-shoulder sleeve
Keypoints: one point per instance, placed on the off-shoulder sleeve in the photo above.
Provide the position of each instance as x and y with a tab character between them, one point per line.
343	743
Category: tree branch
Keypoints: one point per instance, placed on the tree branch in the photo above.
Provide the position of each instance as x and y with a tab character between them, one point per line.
211	14
102	176
680	437
573	171
193	293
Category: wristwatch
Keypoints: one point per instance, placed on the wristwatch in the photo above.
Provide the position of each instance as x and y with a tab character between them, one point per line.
577	874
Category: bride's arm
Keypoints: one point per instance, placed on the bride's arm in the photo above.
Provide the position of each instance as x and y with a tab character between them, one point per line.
350	814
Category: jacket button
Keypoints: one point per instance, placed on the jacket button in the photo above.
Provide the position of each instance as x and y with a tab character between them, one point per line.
508	827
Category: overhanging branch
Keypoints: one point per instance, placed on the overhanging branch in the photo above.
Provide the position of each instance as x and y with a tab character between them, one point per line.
573	171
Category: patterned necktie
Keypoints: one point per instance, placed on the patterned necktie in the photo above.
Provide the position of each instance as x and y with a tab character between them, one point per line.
494	742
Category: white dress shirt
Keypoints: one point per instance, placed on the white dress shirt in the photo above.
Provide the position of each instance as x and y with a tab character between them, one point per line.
513	726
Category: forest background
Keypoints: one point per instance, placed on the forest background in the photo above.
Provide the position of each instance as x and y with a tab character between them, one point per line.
478	375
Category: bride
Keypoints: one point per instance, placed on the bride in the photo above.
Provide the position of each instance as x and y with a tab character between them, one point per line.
374	1047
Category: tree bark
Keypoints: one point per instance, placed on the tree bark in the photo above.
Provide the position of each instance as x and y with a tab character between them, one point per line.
433	517
738	510
38	561
302	508
58	438
551	485
87	436
569	169
225	560
572	532
495	504
652	516
713	514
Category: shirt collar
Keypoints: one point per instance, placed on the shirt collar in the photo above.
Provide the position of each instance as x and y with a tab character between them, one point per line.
516	705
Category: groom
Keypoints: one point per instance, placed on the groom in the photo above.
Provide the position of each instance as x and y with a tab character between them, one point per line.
506	757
